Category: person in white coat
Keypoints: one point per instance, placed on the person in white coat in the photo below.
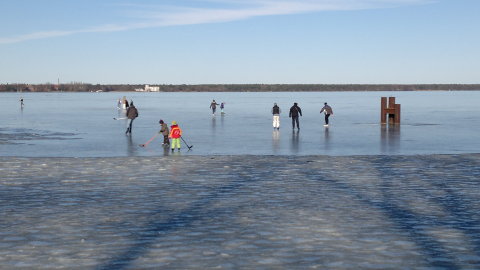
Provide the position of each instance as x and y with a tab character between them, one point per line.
276	116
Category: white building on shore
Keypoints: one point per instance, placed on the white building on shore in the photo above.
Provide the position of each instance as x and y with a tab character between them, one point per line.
148	88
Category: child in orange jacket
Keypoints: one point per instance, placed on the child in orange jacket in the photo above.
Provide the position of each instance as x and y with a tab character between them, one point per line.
175	134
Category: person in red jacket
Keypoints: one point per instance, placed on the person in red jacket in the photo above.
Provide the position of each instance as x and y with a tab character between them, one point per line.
175	134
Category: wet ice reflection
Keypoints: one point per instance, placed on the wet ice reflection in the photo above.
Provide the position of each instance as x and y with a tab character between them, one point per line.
390	139
295	145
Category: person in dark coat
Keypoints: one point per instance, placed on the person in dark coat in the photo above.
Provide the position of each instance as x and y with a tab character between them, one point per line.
295	112
132	113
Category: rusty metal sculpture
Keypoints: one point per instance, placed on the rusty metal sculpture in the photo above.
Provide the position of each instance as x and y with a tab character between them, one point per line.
389	110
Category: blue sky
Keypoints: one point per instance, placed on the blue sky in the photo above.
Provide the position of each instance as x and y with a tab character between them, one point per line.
240	41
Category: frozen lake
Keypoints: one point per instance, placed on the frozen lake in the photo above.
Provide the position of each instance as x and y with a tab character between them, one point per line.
245	209
82	125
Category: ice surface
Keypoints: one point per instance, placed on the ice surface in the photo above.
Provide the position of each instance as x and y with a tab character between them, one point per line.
241	212
82	125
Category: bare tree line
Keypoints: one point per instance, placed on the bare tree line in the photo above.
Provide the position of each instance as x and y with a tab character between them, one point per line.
85	87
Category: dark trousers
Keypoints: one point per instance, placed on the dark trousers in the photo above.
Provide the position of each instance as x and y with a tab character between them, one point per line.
326	118
165	139
295	120
129	129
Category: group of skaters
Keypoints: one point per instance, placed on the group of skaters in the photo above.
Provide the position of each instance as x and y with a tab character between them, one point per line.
295	113
175	132
213	106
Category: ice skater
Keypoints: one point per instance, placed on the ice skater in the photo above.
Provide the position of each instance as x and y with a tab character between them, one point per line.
213	106
222	106
175	135
165	132
328	111
132	113
295	112
276	116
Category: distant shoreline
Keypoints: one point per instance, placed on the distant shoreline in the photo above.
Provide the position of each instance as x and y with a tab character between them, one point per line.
85	87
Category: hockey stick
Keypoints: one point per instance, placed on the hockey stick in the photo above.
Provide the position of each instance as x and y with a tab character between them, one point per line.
189	147
151	139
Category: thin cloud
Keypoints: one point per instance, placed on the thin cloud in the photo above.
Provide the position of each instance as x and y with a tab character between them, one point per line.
231	10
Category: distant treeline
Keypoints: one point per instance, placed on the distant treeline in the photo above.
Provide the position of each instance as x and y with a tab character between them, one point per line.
83	87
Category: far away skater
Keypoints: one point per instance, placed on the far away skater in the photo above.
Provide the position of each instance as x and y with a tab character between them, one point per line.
222	106
276	116
213	106
132	113
328	111
295	111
